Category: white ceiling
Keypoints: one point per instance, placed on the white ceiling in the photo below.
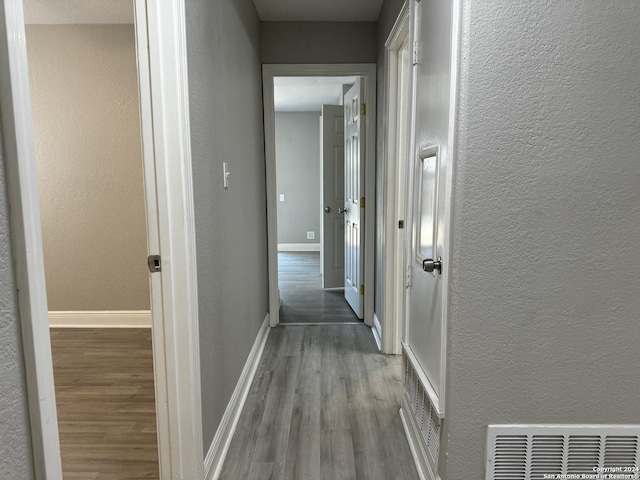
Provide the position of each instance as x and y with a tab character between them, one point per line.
308	94
77	11
319	10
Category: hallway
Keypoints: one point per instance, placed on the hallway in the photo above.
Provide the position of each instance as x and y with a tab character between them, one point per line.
302	296
323	405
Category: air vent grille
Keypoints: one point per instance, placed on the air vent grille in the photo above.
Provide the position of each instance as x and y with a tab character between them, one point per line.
423	412
539	452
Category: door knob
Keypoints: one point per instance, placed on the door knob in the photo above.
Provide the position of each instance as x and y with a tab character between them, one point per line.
429	265
327	209
342	210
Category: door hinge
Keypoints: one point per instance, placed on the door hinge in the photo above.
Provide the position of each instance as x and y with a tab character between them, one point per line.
408	277
362	202
363	109
361	289
155	265
415	53
400	223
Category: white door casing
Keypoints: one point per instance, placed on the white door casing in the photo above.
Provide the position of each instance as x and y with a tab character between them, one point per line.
397	146
332	191
354	149
368	72
180	420
18	158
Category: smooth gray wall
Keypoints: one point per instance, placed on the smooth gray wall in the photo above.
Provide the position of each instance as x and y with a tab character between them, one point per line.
545	288
225	88
16	459
318	42
298	175
388	15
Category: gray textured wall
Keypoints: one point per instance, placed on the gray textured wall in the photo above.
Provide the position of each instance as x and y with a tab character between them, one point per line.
548	192
386	20
15	442
225	88
318	42
298	175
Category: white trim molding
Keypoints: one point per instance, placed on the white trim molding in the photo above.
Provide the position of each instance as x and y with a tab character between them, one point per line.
181	413
368	71
100	319
377	330
220	444
298	247
395	189
26	238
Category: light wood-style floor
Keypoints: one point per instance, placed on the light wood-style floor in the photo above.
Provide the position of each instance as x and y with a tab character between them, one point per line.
106	403
323	406
302	296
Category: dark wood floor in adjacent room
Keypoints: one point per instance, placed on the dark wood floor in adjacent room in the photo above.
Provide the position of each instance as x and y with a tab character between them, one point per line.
302	296
323	406
106	403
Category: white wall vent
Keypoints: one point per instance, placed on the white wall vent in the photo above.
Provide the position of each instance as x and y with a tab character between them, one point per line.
424	413
544	452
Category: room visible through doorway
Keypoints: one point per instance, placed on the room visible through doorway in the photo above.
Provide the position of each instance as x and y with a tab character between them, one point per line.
309	125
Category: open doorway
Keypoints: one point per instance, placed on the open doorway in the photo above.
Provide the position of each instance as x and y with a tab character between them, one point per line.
83	78
161	63
356	83
309	146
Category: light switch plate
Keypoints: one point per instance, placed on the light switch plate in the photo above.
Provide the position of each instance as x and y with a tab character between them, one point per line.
226	172
282	197
311	235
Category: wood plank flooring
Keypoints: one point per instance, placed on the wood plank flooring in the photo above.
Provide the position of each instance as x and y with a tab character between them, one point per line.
323	405
302	296
106	403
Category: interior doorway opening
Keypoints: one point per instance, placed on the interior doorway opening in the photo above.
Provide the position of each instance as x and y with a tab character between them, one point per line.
309	143
167	174
85	102
307	210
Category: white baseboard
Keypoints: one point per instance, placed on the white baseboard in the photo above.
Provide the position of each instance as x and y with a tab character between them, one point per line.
377	331
298	247
415	445
100	319
220	445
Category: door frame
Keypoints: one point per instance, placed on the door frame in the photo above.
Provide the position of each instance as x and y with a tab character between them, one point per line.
368	71
393	305
162	64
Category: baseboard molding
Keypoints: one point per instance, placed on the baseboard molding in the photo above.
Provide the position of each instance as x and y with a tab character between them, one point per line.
415	445
377	331
298	247
220	445
100	319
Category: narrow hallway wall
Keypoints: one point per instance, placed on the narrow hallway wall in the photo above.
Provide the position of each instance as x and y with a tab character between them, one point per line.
225	89
545	287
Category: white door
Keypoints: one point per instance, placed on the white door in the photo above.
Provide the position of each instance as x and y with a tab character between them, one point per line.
332	191
425	327
354	150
